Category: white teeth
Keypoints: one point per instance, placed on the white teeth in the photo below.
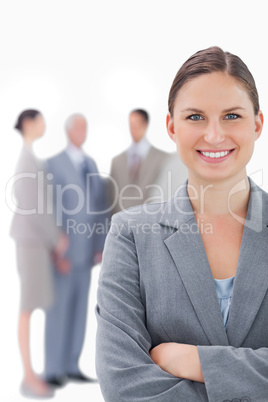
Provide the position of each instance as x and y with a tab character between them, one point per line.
215	154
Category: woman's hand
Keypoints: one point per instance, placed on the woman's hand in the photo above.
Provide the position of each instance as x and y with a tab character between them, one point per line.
178	359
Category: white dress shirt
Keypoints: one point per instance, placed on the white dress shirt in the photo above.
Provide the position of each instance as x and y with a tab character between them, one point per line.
76	155
140	149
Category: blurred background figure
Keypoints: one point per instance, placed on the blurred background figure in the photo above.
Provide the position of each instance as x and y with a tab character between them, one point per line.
79	197
36	236
138	170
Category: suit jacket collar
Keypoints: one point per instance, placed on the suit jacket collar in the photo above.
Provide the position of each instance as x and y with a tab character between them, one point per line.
148	169
251	282
73	174
141	148
76	155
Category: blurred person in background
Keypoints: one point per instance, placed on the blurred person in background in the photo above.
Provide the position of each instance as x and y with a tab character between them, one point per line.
36	237
79	201
136	172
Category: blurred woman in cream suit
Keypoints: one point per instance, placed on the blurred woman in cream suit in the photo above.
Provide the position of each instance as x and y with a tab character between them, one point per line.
36	236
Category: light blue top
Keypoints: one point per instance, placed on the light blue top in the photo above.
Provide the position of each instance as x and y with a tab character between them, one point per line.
224	289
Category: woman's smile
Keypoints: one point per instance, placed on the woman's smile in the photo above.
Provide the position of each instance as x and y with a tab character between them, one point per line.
215	156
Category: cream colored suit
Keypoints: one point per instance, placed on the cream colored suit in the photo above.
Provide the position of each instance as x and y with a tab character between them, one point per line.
138	191
34	231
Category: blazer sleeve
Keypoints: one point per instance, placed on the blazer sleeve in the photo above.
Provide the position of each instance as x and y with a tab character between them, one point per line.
123	364
243	373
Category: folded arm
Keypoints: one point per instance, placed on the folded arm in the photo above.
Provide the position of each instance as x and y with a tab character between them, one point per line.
243	372
228	372
179	360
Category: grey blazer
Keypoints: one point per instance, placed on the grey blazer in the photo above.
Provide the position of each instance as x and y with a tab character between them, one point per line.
149	170
84	224
156	286
33	222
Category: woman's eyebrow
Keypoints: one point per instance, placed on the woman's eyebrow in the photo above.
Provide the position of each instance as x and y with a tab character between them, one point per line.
192	109
231	109
195	110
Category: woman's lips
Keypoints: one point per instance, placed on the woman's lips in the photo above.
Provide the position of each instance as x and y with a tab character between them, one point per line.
216	156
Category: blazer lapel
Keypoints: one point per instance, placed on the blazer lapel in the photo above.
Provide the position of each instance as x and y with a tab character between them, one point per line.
188	253
251	281
149	168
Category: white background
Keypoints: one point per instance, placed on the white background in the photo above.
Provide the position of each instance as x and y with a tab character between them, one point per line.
103	58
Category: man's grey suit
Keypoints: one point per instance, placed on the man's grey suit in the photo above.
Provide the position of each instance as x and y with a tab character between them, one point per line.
156	286
66	320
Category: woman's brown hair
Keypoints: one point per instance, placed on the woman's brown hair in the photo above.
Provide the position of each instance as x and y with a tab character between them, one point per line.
26	114
210	60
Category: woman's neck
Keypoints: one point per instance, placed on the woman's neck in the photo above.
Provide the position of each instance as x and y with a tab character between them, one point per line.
28	140
225	197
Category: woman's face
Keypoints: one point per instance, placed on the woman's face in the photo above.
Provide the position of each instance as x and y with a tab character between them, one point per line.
40	125
34	128
214	126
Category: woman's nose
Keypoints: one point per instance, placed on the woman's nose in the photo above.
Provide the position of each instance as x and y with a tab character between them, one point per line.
214	134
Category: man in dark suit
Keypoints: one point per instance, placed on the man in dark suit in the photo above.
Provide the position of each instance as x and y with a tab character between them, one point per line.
79	199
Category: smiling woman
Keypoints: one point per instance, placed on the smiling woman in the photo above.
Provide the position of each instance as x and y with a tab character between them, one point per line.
183	314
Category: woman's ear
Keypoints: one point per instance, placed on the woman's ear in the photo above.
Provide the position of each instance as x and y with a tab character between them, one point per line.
170	127
258	124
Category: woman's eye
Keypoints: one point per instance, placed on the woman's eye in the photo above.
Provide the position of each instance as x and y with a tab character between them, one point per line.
231	116
195	117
